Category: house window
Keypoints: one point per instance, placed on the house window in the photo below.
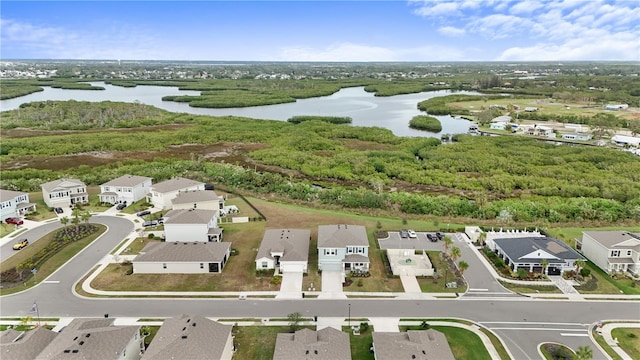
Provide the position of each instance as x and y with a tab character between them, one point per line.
201	266
164	265
264	265
628	252
329	251
615	253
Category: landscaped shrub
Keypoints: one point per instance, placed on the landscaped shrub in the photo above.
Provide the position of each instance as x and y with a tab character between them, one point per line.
360	283
584	272
522	274
590	285
151	236
276	280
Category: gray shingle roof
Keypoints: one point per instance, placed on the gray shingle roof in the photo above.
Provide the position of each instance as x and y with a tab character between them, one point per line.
517	248
61	184
18	345
175	184
188	337
412	345
95	339
183	251
190	197
325	344
189	216
294	243
6	195
610	239
339	236
127	181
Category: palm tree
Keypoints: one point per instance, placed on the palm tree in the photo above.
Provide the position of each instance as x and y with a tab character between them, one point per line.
544	264
584	353
463	266
85	216
482	238
579	264
455	253
447	243
64	221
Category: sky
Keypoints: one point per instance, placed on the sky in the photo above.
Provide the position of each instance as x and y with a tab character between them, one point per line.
340	31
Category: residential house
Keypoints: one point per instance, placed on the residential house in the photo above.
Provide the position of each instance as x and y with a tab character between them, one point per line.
95	338
287	249
616	107
622	140
539	130
20	345
182	258
125	189
528	252
163	193
343	247
325	344
530	109
64	192
191	337
192	225
198	199
411	345
14	203
613	251
577	136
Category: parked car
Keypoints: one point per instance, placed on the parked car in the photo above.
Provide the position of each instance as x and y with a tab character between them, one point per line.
412	234
161	220
121	206
150	223
58	210
14	220
440	235
20	244
404	234
432	237
143	213
208	186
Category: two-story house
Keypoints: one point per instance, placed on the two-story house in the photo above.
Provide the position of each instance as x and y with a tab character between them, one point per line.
64	192
125	189
613	251
163	193
14	203
192	225
343	248
198	199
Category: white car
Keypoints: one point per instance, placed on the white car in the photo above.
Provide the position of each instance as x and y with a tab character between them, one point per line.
412	234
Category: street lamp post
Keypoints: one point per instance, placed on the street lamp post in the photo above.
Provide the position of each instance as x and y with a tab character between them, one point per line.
349	316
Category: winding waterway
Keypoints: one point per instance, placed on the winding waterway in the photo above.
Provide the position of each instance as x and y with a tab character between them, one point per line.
393	113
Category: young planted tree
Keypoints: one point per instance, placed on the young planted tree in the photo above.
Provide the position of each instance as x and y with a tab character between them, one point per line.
294	321
579	264
463	266
545	264
455	253
584	353
85	216
447	244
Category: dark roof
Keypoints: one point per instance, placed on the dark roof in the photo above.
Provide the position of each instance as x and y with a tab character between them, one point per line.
519	248
189	337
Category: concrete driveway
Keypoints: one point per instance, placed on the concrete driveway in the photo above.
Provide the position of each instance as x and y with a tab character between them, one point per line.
291	286
332	285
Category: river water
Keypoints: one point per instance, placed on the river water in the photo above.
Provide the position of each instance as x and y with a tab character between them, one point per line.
393	112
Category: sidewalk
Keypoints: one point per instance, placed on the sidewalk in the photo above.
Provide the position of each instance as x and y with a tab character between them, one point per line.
605	331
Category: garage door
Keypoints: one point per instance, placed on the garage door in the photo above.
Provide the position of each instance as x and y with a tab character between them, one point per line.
299	268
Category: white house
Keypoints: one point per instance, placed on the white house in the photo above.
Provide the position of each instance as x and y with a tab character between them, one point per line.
287	249
577	136
182	258
163	193
616	107
125	189
198	199
343	247
95	338
539	130
528	253
192	225
64	192
622	140
14	203
191	337
613	251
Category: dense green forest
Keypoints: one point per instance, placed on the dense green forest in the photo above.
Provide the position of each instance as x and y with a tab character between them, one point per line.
490	178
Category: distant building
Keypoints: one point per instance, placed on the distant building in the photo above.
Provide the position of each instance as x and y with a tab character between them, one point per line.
616	107
577	136
622	140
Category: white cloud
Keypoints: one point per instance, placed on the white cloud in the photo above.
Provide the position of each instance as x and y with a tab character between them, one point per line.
451	31
525	7
435	9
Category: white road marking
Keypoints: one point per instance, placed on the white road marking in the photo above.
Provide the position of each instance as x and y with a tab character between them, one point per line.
478	289
565	334
527	328
51	282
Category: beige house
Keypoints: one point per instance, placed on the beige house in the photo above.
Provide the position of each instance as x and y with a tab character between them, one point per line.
287	249
87	338
413	344
325	344
64	192
192	225
163	193
613	251
191	337
20	345
199	199
182	258
125	189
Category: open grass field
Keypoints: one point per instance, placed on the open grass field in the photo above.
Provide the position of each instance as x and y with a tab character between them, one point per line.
628	340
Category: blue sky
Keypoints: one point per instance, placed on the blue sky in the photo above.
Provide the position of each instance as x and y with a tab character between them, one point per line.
414	30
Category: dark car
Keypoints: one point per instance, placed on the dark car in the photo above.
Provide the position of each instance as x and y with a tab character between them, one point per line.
161	220
143	213
404	233
432	238
150	223
58	210
121	206
440	235
14	220
209	186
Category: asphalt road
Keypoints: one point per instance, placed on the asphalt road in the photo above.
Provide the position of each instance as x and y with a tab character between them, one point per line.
33	235
517	319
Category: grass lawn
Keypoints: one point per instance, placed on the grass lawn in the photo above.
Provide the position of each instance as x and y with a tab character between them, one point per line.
548	348
138	244
153	330
429	284
464	343
628	340
570	234
608	285
257	342
49	266
525	289
603	344
360	344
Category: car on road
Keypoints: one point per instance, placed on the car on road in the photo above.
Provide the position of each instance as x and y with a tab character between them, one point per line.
412	234
58	210
150	223
143	213
121	206
14	220
20	244
404	234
